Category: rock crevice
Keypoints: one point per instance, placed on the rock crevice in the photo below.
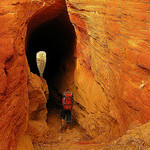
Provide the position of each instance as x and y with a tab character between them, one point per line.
107	68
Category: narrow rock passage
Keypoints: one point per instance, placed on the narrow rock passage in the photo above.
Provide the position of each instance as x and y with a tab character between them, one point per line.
65	140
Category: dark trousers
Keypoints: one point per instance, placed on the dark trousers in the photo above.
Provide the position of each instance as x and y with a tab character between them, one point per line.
66	113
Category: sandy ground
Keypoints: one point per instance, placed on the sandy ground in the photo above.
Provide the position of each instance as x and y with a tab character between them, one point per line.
67	139
76	138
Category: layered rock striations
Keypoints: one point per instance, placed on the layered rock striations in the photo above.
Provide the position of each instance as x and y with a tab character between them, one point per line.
110	79
23	95
112	75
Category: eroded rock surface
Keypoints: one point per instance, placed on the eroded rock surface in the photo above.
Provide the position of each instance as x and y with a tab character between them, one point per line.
19	113
111	78
112	73
38	95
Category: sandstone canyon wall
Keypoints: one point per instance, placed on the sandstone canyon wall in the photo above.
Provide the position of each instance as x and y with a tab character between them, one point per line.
23	94
111	82
112	74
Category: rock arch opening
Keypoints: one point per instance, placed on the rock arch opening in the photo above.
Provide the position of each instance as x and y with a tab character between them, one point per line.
57	38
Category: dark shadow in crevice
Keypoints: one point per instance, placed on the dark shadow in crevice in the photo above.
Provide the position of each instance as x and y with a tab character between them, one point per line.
57	38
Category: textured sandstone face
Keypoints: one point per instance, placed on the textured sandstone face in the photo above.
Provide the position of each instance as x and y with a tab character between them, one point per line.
20	112
38	95
112	72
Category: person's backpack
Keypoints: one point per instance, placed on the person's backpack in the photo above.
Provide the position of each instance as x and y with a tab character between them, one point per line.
67	101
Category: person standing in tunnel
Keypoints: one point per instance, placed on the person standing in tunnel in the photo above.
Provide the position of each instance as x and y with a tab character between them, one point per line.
67	104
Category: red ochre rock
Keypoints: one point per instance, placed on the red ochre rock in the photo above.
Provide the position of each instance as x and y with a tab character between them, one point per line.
113	85
38	95
143	60
21	122
111	77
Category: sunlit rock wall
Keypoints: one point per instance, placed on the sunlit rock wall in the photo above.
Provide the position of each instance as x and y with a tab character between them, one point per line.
22	120
38	95
112	74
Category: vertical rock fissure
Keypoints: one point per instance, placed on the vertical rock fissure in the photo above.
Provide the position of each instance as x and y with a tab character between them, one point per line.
57	38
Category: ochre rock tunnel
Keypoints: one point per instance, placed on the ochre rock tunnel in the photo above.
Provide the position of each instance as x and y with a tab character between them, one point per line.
57	38
99	49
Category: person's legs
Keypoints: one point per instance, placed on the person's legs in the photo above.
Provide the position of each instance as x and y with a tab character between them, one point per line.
68	119
62	117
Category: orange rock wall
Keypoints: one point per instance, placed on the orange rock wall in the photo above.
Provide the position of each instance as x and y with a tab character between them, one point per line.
13	81
112	74
17	85
38	95
111	78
